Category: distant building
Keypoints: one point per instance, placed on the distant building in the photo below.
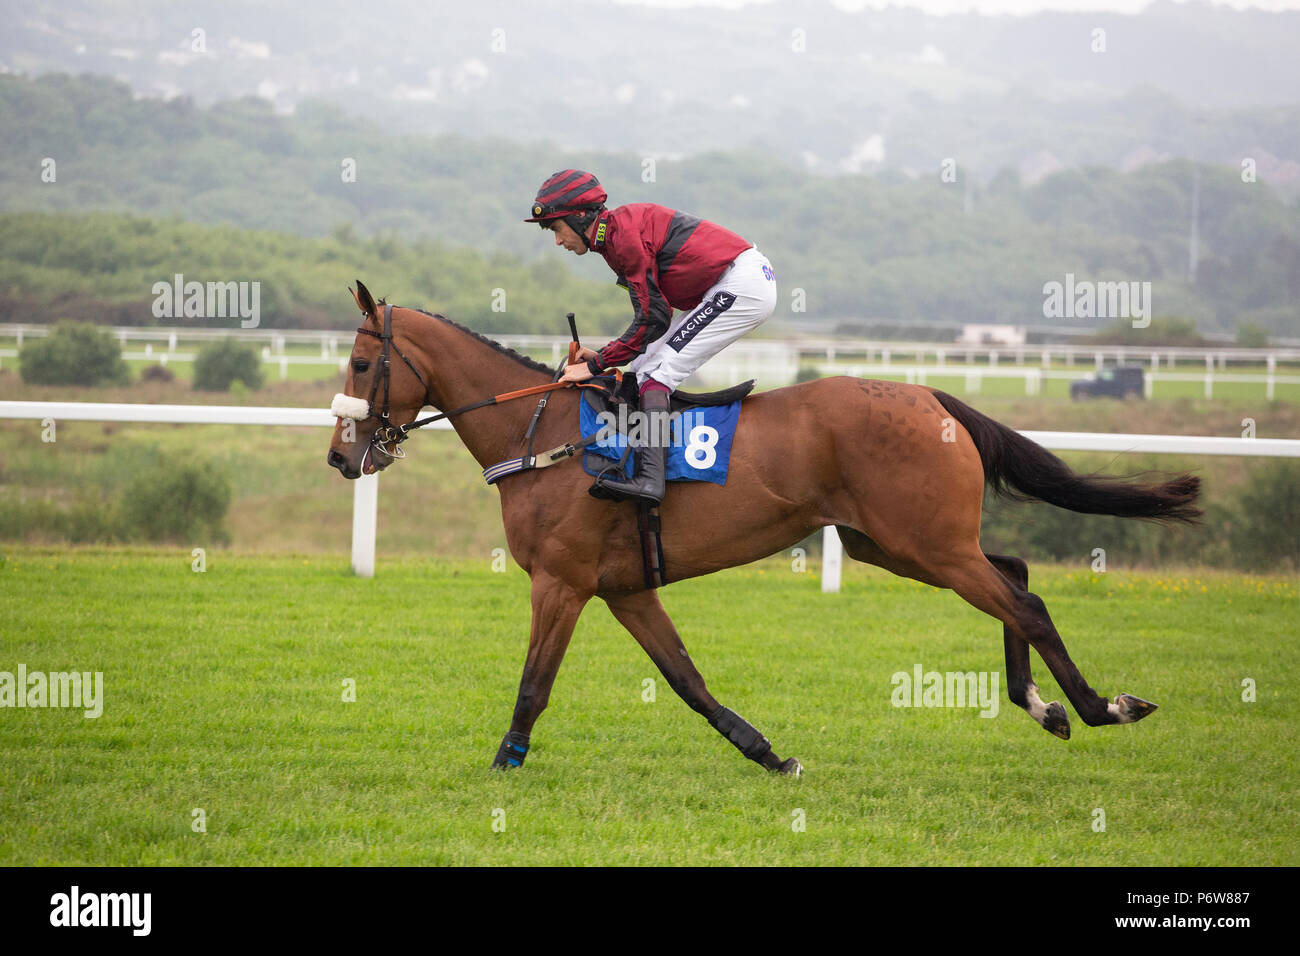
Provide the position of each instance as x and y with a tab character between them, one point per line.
983	334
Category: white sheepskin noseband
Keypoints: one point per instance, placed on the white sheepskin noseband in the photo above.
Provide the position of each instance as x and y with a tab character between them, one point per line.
345	406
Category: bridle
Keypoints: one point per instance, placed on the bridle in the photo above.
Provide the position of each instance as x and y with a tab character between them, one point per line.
387	433
388	437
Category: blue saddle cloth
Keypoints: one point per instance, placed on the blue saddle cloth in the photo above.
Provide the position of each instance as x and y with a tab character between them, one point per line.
700	448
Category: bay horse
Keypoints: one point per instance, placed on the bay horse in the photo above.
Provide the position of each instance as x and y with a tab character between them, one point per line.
900	470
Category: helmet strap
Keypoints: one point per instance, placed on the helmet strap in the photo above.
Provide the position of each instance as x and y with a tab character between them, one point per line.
580	222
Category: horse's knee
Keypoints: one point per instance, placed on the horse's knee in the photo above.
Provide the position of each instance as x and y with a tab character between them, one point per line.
529	704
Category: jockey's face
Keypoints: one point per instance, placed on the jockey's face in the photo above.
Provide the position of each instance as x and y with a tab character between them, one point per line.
566	237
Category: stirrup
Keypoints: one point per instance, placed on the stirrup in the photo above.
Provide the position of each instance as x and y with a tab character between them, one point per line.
605	492
620	489
612	490
599	488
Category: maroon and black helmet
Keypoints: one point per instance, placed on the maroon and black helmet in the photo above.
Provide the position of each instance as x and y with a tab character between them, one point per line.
570	192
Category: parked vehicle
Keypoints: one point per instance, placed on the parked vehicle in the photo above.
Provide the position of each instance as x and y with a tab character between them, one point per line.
1118	382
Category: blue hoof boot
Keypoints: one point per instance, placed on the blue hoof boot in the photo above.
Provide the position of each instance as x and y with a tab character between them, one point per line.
512	751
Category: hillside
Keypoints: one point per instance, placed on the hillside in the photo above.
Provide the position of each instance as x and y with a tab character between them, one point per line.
932	249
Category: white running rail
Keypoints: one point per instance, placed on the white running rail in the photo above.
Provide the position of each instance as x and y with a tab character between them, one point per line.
366	490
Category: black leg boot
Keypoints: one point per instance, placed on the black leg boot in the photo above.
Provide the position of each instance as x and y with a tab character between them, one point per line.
651	466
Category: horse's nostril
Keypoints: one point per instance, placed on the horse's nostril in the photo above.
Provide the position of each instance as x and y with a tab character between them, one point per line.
334	459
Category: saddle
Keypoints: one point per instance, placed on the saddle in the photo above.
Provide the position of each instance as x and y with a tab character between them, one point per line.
625	392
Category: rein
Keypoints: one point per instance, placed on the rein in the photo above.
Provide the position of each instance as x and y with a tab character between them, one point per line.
494	400
388	434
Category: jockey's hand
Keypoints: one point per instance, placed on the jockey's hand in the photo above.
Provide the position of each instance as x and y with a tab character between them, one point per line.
585	353
576	373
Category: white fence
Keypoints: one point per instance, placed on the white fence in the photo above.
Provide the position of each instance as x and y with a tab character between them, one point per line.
1033	377
365	500
268	358
773	366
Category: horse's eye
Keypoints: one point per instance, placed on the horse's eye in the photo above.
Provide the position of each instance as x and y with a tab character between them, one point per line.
360	365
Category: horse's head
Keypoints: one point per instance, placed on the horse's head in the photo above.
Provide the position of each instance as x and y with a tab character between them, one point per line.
383	393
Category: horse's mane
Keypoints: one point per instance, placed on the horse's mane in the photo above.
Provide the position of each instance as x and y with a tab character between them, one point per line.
496	346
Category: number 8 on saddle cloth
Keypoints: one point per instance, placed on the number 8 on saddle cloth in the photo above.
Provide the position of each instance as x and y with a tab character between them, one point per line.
700	438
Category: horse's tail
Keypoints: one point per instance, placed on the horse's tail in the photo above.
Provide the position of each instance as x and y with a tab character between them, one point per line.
1016	467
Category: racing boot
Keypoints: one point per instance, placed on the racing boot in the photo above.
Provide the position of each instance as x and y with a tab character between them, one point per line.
648	482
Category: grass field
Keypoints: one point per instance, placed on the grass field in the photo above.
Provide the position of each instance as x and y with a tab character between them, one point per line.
223	691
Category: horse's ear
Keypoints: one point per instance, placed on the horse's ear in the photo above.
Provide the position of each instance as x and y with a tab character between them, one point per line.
365	301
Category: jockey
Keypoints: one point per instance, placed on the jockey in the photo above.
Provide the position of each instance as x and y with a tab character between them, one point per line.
666	260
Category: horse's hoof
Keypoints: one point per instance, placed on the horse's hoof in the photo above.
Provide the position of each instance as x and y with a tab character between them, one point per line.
1130	709
1056	722
792	767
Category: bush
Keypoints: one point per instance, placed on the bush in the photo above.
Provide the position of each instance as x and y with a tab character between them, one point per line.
40	519
1169	330
157	373
1252	336
1036	531
224	362
1265	531
74	353
183	502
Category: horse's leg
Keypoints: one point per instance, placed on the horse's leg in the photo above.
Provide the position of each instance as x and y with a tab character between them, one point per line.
1020	683
1003	593
556	606
980	584
643	616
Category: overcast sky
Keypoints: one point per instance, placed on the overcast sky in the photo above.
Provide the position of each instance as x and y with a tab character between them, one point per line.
986	6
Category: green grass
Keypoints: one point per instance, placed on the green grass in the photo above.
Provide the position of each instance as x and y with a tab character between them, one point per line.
223	691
